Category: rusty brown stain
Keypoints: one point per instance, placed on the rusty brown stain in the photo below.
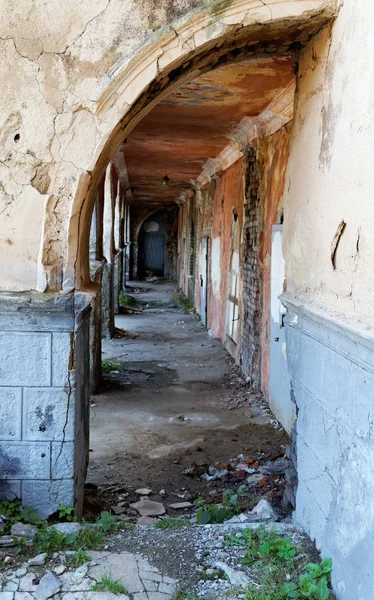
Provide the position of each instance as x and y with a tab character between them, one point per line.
195	122
273	158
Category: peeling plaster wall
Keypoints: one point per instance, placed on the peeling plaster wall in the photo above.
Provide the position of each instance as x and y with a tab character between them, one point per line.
330	319
75	70
214	218
330	171
228	197
273	157
54	55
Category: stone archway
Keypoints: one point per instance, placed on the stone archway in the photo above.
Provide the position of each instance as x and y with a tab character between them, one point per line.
86	134
176	56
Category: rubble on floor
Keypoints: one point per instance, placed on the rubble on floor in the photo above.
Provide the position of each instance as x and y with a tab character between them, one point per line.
144	563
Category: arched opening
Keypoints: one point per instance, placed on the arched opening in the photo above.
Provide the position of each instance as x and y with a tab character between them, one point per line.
205	153
151	241
172	127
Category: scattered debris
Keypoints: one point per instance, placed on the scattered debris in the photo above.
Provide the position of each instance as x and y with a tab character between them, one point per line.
67	528
143	491
48	586
180	505
23	530
263	511
148	508
38	560
237	578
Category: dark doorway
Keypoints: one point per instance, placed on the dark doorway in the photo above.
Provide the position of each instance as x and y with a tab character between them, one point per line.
151	258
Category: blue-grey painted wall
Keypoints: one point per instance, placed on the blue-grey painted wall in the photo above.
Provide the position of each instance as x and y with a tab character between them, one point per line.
331	364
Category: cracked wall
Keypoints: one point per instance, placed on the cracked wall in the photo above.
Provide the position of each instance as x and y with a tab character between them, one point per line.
63	113
330	322
44	402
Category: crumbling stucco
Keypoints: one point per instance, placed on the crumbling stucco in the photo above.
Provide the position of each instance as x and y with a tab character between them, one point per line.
76	70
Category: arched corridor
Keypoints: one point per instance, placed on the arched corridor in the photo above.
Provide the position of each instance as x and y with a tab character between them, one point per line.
221	150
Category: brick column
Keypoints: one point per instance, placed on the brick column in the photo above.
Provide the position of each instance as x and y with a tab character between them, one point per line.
44	399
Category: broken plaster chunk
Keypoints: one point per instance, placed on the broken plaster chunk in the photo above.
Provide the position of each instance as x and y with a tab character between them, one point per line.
263	511
48	586
38	560
180	505
23	530
145	521
237	578
67	528
143	491
148	508
7	541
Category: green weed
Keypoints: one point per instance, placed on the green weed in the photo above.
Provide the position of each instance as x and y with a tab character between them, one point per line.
16	513
213	513
107	522
107	366
171	523
127	301
313	584
184	303
107	584
66	513
79	558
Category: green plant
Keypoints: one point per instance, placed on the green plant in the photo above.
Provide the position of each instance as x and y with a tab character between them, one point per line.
107	584
171	523
15	513
232	499
107	522
179	595
199	500
261	543
184	303
107	366
254	593
79	558
213	513
89	538
313	584
50	540
126	300
66	513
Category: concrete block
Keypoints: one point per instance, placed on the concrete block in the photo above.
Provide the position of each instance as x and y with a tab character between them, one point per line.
10	413
25	460
61	349
10	489
46	496
316	478
48	414
25	359
62	460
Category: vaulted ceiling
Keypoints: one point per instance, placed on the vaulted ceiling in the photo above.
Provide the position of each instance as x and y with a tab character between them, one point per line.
167	151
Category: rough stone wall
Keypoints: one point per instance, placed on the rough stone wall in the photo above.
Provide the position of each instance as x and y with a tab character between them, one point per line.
43	413
252	273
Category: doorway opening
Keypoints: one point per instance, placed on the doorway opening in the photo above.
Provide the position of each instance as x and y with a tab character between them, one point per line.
151	255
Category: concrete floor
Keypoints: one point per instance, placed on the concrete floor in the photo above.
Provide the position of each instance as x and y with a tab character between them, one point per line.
161	409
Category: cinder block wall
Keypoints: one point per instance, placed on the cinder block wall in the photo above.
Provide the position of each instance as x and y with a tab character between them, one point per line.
331	363
39	399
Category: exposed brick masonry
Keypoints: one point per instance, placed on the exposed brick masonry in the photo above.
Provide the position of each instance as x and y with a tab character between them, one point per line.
252	274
